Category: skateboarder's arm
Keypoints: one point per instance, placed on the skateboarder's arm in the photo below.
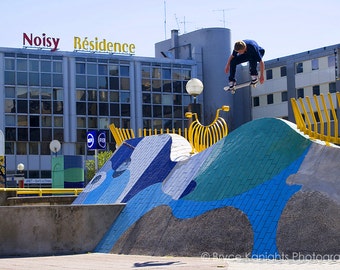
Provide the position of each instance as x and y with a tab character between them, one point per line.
227	67
261	71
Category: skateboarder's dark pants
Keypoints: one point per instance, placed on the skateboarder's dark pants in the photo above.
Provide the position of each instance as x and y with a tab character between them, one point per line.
241	58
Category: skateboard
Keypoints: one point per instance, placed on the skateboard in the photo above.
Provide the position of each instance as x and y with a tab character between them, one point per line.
238	86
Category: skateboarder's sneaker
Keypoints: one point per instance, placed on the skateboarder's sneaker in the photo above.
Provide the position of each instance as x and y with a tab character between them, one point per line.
254	79
232	84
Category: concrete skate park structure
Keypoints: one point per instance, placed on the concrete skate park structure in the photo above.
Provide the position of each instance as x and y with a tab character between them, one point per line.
265	190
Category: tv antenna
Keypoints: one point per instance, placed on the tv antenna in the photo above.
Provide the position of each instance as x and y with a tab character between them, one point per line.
184	22
223	14
164	19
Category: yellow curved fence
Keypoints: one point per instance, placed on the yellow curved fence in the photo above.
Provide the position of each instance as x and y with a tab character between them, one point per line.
121	134
317	117
199	136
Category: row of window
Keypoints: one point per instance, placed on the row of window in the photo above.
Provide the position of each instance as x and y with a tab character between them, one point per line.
300	93
34	134
34	174
313	64
165	72
43	93
33	106
270	99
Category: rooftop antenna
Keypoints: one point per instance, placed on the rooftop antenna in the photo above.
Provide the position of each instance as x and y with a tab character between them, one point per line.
184	22
223	12
164	19
184	25
177	22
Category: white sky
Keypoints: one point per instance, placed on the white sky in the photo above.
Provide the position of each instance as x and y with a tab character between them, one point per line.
281	27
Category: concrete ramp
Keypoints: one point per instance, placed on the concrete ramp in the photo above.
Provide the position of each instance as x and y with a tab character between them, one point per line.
242	197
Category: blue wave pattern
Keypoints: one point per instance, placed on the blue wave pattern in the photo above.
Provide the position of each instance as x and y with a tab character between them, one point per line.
246	170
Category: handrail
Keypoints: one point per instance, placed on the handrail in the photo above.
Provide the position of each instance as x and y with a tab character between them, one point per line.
320	116
41	191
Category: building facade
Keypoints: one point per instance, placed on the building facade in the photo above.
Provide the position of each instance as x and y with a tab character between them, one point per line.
61	95
304	74
54	95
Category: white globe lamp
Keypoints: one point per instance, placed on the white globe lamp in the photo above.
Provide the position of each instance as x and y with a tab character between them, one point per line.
194	87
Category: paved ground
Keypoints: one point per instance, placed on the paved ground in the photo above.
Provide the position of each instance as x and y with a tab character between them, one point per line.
103	261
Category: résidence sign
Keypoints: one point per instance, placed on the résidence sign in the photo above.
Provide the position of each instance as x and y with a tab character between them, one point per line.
103	45
40	41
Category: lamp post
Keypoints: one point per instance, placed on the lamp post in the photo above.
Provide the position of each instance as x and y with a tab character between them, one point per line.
194	88
20	168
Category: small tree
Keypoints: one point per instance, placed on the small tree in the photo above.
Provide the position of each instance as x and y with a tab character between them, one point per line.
90	164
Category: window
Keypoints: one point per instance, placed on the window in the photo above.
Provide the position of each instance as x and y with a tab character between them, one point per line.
80	68
9	77
45	66
283	71
316	90
33	148
124	71
22	64
166	74
284	96
256	101
21	148
299	67
92	69
332	87
102	69
9	64
315	64
270	99
269	74
331	61
300	93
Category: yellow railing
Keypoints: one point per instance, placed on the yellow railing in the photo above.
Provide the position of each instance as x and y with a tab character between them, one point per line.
44	191
199	136
317	118
121	134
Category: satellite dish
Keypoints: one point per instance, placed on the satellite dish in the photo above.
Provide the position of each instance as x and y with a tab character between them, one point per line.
55	146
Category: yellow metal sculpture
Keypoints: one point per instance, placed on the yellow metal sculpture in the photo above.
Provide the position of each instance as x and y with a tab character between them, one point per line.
199	136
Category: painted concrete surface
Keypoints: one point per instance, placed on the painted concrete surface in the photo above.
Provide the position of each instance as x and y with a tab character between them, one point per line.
258	169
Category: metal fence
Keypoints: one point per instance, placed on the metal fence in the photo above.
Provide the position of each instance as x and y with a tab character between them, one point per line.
317	117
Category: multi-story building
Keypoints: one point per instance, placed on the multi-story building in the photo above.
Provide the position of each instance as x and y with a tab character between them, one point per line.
304	74
55	95
61	95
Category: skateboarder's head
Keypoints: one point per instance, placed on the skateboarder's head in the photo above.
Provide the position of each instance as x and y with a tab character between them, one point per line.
240	47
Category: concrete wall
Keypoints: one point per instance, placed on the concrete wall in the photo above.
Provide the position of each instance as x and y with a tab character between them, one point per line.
54	230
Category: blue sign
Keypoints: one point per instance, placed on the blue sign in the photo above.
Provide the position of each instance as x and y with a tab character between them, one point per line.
92	140
96	139
101	140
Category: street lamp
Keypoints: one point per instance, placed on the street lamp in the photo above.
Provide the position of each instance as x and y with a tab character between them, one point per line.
194	88
20	168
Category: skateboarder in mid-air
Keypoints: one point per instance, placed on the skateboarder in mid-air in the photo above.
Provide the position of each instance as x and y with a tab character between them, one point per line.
246	51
